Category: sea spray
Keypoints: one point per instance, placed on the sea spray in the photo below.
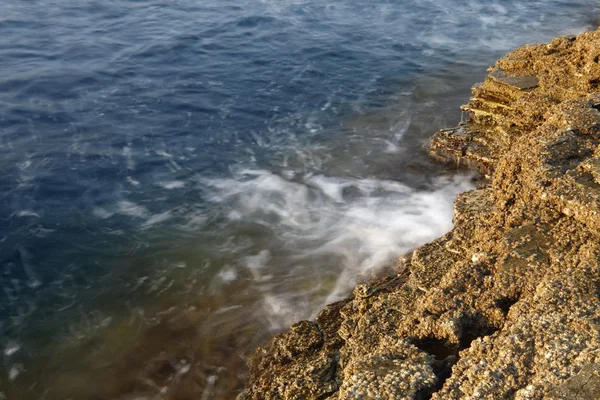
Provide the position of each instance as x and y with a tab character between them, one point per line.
339	226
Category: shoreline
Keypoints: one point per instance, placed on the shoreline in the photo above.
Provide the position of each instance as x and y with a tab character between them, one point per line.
504	305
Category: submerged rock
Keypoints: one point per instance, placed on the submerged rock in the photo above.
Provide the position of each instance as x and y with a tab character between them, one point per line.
506	305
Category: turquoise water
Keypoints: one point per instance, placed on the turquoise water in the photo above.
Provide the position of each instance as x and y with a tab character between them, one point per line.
181	179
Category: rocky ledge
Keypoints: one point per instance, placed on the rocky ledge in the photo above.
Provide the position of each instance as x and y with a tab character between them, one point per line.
507	304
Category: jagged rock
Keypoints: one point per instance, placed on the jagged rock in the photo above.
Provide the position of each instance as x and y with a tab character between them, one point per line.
516	95
507	304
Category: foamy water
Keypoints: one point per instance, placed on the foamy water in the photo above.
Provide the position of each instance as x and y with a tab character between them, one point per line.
342	226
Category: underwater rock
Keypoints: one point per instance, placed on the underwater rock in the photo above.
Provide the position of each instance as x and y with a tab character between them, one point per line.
507	304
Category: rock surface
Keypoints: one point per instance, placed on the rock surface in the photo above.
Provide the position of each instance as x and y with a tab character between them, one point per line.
506	305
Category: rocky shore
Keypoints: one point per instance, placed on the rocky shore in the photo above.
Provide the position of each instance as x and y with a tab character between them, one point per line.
507	304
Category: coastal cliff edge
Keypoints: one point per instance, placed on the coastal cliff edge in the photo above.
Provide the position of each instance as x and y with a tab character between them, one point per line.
507	304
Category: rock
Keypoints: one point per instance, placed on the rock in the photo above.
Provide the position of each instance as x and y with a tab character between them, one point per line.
301	363
584	385
515	98
507	304
516	82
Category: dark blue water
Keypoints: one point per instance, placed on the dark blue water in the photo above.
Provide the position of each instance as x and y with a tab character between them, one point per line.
242	161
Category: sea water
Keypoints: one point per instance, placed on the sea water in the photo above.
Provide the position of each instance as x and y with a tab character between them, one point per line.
181	179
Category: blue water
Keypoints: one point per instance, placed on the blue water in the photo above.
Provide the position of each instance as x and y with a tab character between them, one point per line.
243	159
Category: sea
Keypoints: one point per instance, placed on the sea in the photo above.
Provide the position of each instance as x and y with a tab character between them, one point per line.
182	179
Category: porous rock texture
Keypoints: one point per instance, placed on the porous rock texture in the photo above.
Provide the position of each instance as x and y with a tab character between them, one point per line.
507	304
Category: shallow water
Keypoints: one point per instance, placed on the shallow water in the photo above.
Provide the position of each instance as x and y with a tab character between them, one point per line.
181	179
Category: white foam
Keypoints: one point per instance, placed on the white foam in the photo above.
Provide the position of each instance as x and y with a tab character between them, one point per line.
280	311
14	372
156	219
170	185
27	213
256	263
11	348
343	224
102	213
24	165
131	209
128	154
181	264
133	181
227	275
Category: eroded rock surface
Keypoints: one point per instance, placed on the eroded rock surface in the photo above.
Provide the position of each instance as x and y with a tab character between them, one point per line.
506	305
